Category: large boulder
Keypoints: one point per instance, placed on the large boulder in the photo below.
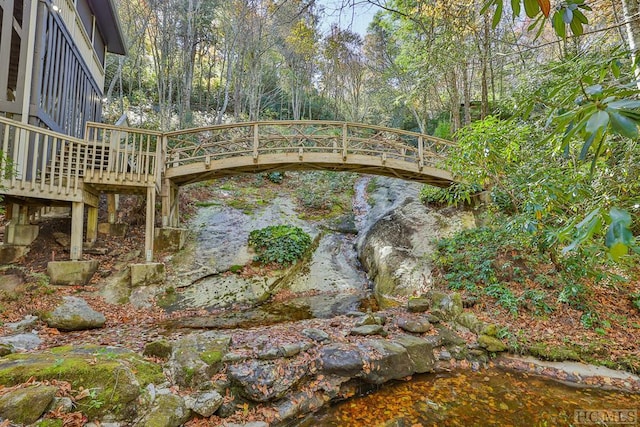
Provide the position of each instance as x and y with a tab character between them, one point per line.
26	405
21	342
396	250
341	359
74	314
204	403
385	361
263	381
169	410
197	357
420	352
114	375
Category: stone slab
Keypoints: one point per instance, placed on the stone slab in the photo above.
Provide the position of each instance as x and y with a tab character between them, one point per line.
151	273
115	230
71	272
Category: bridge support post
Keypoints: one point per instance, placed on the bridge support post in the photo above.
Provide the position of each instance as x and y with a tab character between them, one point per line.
77	224
92	224
112	208
149	229
170	205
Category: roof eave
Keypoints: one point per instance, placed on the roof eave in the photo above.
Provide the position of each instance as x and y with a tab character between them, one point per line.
109	25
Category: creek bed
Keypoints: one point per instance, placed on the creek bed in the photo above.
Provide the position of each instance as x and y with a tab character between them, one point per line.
492	397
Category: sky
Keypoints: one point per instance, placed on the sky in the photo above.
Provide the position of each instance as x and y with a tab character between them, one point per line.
356	18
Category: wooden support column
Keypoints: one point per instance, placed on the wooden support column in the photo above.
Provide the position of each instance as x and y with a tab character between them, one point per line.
149	230
23	215
92	224
170	204
112	207
165	195
175	206
77	225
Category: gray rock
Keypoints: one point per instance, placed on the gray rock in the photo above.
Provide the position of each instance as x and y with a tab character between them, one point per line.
387	361
63	239
449	305
290	350
395	251
205	403
25	325
471	322
367	330
196	358
447	337
433	319
22	342
418	305
414	325
169	410
315	334
74	314
444	355
62	404
299	404
368	319
233	357
270	353
420	352
264	381
341	359
26	405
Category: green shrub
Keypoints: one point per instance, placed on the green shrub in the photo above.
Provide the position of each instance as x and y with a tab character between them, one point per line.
451	196
443	129
276	177
283	244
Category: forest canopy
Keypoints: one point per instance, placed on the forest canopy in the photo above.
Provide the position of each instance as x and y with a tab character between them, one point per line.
541	97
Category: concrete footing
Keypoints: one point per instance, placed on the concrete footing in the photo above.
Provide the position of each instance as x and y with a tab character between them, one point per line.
71	272
115	230
21	234
152	273
11	253
169	239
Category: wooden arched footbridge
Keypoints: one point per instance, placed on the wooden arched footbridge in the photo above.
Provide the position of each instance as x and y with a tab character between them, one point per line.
44	168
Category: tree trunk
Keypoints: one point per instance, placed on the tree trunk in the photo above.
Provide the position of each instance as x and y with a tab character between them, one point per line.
630	10
466	92
484	112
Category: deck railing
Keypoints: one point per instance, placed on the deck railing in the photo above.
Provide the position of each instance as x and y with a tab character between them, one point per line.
43	163
38	160
122	154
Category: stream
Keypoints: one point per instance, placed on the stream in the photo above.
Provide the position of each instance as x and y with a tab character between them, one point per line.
485	398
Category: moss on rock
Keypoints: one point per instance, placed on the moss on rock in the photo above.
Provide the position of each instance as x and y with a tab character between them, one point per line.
553	352
113	376
26	405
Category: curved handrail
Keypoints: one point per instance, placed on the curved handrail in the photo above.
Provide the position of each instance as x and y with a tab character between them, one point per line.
205	144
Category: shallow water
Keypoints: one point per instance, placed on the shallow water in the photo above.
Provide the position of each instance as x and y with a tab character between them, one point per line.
486	398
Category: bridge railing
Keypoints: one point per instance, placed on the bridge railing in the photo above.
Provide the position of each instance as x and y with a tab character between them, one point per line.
117	154
300	137
37	160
